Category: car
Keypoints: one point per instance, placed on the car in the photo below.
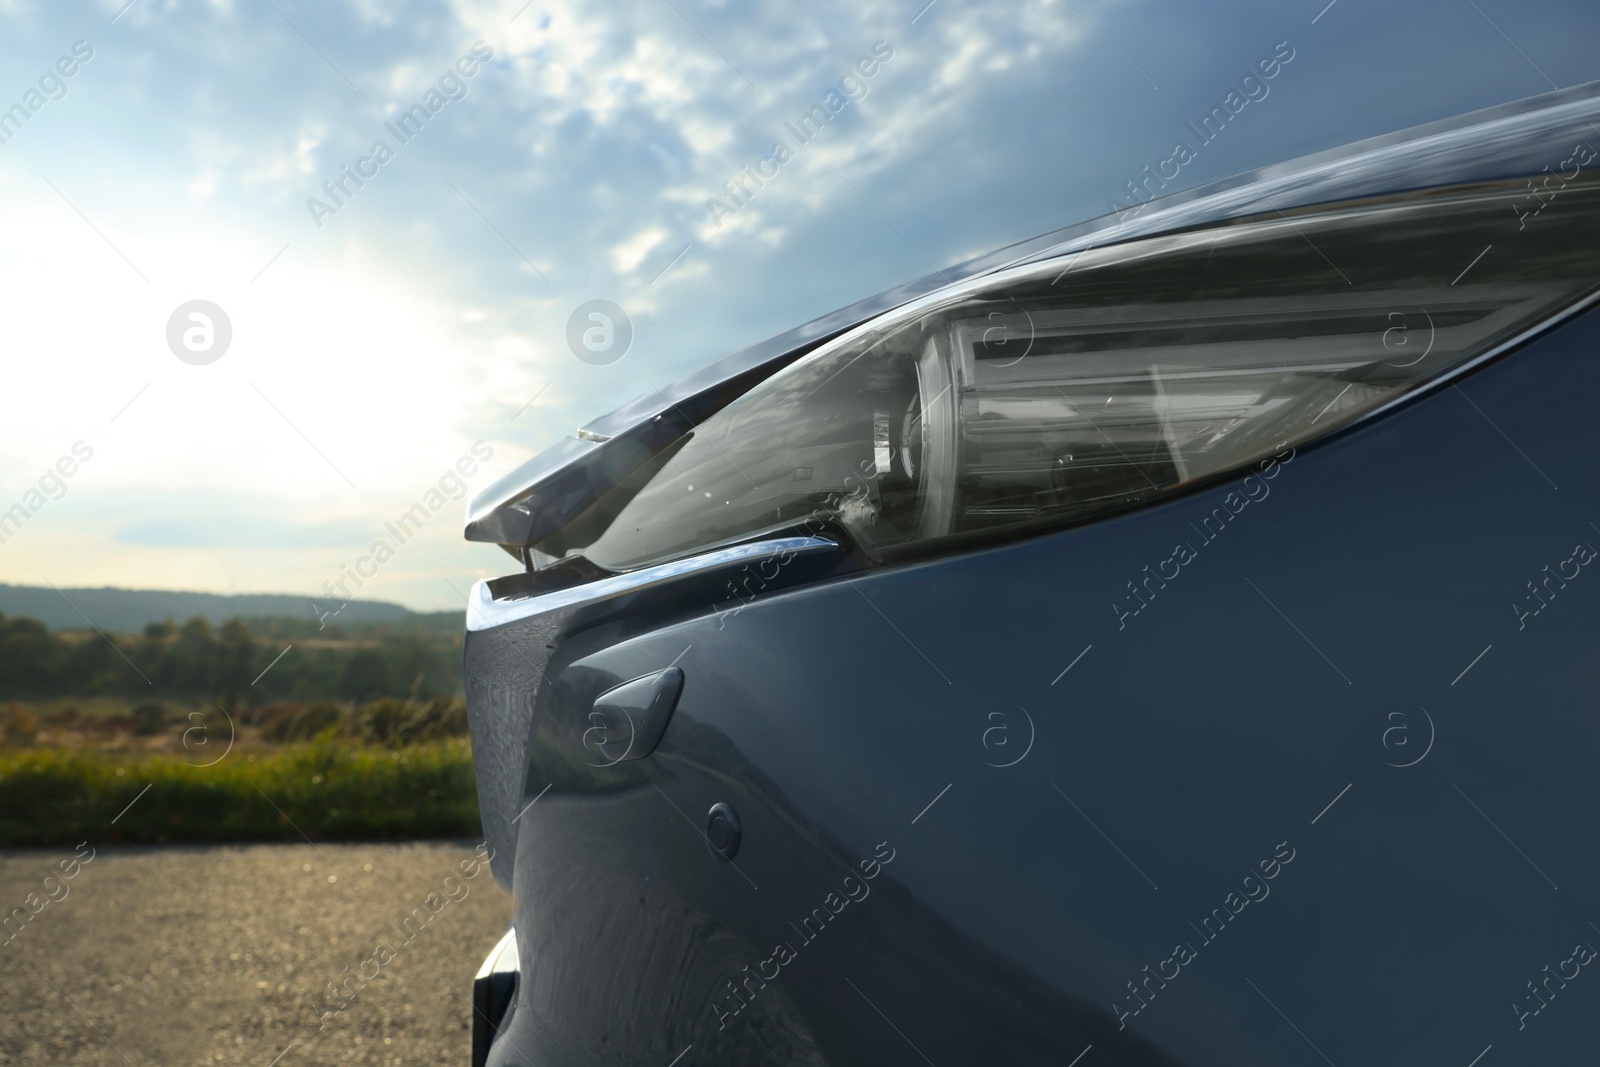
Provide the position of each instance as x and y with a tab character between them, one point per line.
1167	640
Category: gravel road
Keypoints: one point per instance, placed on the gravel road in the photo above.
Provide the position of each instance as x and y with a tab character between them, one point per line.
206	955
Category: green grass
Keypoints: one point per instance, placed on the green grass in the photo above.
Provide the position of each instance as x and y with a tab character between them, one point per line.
325	790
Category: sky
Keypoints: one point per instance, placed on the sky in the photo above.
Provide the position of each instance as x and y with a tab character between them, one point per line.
391	335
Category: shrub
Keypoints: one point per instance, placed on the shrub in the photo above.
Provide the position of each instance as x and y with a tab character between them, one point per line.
381	721
302	724
149	718
262	714
19	725
107	725
447	718
399	722
63	718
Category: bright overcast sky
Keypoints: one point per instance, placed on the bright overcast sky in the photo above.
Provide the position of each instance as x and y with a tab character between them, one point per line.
429	311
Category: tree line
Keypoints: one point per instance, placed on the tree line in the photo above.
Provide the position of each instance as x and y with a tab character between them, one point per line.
225	664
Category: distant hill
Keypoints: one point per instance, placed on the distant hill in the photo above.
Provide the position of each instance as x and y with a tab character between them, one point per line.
128	610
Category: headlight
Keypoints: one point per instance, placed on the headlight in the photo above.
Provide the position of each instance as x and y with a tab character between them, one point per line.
1061	391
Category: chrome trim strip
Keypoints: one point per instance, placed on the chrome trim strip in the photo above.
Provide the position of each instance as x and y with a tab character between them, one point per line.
484	612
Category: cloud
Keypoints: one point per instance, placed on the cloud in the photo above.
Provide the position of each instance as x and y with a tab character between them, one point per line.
417	319
626	257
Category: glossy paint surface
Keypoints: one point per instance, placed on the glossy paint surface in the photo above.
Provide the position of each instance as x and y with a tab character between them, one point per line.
1341	758
1314	790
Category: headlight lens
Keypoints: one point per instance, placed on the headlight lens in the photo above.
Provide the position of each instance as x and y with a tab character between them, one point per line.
1058	391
